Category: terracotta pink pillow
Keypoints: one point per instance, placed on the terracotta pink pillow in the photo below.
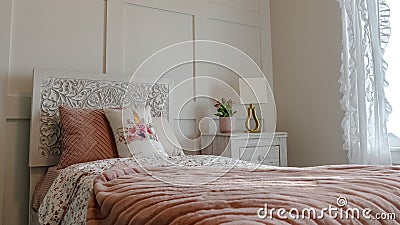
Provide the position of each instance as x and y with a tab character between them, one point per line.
87	136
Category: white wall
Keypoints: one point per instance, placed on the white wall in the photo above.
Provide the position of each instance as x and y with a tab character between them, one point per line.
5	12
306	37
41	34
114	37
136	29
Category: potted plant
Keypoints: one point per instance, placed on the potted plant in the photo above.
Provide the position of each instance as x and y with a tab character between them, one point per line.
225	114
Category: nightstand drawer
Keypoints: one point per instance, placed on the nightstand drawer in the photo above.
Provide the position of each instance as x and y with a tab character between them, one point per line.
264	154
268	148
253	142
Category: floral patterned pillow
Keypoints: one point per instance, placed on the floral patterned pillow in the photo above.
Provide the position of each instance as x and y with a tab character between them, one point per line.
134	133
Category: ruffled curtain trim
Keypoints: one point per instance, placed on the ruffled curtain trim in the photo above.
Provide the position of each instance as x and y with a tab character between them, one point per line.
354	26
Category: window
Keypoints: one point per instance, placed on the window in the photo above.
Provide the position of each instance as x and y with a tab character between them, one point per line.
392	56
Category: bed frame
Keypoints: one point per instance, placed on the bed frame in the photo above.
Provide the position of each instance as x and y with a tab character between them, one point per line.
81	90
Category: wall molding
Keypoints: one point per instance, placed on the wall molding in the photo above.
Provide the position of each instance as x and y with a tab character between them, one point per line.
5	31
18	107
257	10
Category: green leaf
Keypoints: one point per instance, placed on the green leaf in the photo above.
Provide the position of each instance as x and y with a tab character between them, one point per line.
225	110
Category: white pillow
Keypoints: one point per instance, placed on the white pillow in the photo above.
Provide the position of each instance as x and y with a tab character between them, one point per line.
134	133
167	136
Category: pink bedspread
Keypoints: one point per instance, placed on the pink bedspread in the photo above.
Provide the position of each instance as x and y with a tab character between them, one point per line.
129	195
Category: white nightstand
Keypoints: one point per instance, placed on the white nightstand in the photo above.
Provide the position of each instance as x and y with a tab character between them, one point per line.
267	147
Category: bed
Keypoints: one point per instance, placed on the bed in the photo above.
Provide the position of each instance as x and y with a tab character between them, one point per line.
179	189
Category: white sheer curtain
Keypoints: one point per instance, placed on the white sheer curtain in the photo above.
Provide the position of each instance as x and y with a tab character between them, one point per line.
366	32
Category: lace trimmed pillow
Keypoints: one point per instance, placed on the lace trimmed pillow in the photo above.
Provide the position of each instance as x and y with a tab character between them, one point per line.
167	137
134	133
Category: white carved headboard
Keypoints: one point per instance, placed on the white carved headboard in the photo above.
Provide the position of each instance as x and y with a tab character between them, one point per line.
54	88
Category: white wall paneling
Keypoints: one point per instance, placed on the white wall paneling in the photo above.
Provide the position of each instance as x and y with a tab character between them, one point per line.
230	63
51	34
266	42
116	37
134	31
137	31
148	30
17	172
2	140
16	169
250	36
18	107
60	35
5	26
249	5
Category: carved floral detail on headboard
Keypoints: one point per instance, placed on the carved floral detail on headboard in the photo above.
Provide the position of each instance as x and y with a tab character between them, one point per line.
94	94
